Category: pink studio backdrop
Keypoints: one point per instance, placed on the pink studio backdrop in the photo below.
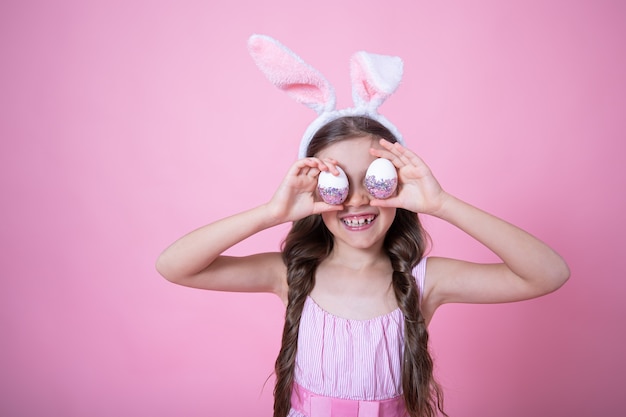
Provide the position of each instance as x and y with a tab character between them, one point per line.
125	124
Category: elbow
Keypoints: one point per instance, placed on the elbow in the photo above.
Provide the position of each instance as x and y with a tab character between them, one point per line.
549	276
564	274
161	268
164	269
557	276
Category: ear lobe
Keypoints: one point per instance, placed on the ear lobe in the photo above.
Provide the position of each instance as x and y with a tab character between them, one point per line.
291	74
374	78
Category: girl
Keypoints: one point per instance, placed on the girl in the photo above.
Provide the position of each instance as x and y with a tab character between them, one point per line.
358	290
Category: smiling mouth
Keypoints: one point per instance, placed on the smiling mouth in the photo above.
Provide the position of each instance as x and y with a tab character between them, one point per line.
358	221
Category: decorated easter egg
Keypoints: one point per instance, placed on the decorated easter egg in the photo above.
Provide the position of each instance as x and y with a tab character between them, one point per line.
333	188
381	178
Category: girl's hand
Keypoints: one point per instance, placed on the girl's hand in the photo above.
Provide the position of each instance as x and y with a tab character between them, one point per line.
418	190
296	196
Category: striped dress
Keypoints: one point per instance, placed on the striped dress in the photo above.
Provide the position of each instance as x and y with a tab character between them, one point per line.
351	359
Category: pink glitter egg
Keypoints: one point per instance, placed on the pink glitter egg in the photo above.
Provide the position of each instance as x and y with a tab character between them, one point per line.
381	178
333	189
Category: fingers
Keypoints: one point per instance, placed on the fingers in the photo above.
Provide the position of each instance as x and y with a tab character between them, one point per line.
397	154
313	166
391	152
331	164
389	202
320	207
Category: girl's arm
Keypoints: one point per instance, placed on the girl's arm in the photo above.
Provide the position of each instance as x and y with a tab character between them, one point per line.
529	267
196	259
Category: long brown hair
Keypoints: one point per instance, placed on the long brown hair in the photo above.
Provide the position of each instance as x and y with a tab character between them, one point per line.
309	242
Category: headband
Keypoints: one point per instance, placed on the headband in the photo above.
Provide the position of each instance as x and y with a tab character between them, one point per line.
374	78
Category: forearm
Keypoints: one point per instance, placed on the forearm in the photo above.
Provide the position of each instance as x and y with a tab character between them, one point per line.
525	255
195	251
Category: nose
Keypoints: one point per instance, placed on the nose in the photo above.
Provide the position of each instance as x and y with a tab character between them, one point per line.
357	196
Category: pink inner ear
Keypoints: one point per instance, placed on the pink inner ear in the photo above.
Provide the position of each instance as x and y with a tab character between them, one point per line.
363	87
305	93
369	89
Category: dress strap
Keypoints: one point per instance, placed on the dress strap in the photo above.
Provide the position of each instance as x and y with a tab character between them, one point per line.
419	273
314	405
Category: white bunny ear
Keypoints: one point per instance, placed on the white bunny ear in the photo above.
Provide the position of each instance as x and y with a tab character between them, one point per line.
291	74
374	78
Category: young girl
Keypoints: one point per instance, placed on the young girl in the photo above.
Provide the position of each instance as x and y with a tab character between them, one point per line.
358	291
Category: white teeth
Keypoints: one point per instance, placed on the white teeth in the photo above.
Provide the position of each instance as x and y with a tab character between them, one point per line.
358	222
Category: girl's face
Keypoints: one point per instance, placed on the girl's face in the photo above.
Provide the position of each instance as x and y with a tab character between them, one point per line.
358	225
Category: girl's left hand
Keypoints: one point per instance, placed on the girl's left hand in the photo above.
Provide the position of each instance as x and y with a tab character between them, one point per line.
418	190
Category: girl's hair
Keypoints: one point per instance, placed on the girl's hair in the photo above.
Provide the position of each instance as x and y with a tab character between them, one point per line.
309	242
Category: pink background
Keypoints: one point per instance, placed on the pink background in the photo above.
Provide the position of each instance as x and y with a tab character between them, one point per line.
126	123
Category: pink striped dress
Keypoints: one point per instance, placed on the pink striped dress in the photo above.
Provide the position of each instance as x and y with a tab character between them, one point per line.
351	359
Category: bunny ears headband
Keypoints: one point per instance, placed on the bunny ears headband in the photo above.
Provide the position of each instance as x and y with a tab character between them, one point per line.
374	78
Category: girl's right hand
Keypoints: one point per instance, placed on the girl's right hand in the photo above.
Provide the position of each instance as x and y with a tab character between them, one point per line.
296	196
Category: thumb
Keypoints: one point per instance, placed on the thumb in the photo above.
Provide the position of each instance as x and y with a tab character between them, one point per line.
320	207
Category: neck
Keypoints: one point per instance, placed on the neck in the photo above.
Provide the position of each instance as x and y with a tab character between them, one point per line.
357	258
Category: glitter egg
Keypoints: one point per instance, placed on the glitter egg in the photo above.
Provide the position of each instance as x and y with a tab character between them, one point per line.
381	178
333	189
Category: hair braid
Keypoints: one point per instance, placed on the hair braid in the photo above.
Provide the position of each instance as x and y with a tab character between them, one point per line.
405	248
306	245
